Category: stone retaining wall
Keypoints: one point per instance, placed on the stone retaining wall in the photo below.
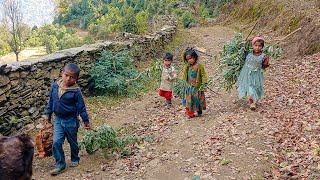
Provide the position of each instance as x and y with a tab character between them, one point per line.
25	85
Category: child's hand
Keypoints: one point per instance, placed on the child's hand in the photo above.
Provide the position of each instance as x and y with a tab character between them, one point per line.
203	87
47	120
87	126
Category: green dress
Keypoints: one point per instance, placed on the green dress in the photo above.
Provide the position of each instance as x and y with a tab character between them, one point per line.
250	82
194	97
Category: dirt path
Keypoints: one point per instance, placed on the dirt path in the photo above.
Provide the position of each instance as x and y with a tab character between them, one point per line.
228	142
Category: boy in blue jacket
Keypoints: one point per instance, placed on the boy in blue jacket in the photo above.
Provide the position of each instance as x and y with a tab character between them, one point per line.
67	103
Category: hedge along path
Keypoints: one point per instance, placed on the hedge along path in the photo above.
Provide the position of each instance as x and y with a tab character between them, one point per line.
226	143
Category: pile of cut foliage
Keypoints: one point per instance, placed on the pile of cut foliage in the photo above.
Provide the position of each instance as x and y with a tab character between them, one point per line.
107	139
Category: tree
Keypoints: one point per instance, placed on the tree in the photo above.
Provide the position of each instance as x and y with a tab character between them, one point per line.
50	42
70	41
139	6
142	22
151	9
4	46
13	18
129	21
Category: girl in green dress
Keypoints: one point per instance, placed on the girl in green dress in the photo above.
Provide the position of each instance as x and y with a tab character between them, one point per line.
196	78
250	82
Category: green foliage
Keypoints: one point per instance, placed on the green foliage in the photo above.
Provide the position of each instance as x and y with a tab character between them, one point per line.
4	48
4	45
151	9
15	39
205	13
142	22
129	21
55	37
34	39
50	42
103	17
111	74
187	18
155	70
179	87
106	24
107	139
89	40
70	41
294	23
232	59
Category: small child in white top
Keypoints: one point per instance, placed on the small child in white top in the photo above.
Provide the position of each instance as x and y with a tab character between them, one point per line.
168	76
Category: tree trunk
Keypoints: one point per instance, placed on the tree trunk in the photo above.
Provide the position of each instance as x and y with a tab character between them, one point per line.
17	56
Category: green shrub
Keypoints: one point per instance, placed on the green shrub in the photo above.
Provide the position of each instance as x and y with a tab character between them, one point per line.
111	74
187	18
4	48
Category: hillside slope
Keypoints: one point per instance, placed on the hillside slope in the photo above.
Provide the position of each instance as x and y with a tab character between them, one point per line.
276	19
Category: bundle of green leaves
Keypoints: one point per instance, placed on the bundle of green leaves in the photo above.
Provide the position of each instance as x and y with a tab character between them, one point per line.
111	74
179	87
232	59
107	139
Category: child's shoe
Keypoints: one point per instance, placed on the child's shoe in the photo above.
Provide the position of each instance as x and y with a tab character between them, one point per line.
190	117
200	113
74	164
168	104
56	171
253	106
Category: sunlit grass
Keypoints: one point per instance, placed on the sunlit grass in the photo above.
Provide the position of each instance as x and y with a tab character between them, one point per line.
180	38
26	54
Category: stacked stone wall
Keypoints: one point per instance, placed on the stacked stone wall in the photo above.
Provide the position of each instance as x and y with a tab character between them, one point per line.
25	85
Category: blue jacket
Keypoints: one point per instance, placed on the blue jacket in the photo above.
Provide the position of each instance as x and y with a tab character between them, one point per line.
69	105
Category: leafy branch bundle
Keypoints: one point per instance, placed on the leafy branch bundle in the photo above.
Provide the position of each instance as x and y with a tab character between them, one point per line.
232	59
106	138
179	87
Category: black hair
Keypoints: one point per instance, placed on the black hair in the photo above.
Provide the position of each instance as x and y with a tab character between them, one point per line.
192	53
260	41
72	67
168	56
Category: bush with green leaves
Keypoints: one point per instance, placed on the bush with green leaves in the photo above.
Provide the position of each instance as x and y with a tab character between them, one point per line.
4	48
106	139
112	74
232	59
187	18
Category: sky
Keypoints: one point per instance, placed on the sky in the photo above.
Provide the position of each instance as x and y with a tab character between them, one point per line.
36	12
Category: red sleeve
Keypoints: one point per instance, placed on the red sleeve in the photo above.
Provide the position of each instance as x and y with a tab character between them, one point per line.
265	62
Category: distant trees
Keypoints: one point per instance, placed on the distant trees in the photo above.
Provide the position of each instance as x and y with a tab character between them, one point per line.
13	22
54	37
142	22
104	17
4	45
